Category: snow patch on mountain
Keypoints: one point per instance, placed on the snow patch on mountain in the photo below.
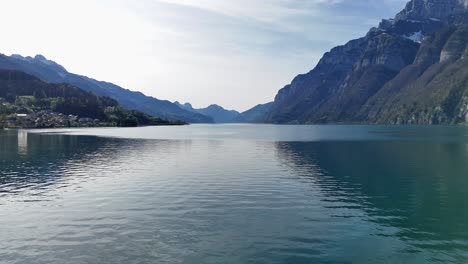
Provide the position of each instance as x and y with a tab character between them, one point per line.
415	37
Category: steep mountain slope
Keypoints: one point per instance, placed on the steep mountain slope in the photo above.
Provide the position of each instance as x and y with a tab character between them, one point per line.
218	113
370	79
52	72
433	90
253	115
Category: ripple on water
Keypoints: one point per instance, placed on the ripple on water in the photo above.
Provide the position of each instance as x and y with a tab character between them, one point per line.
231	200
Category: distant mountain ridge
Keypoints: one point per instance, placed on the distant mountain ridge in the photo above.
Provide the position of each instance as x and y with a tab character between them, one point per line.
409	70
53	72
254	115
218	113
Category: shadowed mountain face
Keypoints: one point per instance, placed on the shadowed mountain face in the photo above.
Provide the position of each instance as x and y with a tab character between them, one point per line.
218	113
410	69
254	115
50	71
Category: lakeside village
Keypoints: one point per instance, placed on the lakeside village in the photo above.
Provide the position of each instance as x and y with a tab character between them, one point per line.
26	112
47	119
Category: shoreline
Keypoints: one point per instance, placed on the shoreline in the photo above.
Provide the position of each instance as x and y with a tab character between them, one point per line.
70	127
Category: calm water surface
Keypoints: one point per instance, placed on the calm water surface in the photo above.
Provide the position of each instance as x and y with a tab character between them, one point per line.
235	194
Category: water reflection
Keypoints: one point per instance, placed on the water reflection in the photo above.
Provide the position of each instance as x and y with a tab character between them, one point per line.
417	190
107	200
22	142
40	163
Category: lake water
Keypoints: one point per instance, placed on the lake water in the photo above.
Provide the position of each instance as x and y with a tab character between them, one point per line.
235	194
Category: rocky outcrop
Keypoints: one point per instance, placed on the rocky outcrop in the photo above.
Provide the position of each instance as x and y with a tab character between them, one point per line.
433	9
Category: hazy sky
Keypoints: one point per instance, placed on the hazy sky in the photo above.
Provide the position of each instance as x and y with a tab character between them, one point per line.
236	53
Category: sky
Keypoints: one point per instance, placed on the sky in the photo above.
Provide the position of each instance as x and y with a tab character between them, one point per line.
235	53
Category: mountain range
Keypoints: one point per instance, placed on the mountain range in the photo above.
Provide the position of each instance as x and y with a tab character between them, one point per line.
411	69
218	113
221	115
52	72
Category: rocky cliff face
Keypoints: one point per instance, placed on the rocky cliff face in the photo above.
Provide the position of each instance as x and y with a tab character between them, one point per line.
432	90
434	9
354	82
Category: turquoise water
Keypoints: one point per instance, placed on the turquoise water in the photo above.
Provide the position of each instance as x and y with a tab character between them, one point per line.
235	194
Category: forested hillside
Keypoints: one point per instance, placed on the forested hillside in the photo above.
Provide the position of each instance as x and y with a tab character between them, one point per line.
24	94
